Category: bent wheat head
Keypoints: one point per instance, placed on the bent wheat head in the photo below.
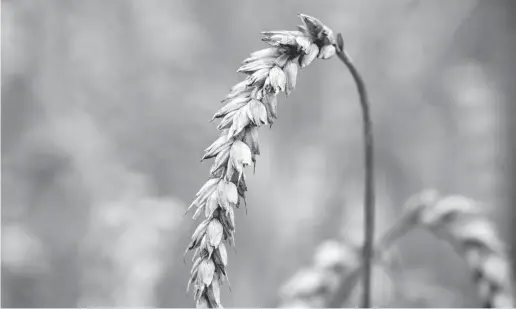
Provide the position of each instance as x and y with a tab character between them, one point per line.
249	105
456	219
459	220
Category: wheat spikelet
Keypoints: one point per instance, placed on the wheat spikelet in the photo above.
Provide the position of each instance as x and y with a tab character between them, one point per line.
249	105
459	220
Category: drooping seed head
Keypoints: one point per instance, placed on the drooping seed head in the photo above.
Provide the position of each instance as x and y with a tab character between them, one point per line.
250	104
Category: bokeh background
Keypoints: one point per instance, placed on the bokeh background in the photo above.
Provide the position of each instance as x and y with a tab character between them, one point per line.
105	109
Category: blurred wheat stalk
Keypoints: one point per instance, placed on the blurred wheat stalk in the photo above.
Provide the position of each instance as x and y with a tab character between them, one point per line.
249	105
455	219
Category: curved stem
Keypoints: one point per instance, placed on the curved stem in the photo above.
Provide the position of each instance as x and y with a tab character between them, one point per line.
369	194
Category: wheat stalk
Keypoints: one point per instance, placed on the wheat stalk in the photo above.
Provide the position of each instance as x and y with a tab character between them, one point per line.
249	105
369	194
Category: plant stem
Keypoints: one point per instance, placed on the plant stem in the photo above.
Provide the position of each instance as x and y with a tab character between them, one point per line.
369	194
345	287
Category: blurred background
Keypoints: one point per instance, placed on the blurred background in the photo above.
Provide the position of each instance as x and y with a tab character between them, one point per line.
105	110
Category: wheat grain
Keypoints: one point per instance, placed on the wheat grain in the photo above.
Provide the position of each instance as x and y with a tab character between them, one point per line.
249	105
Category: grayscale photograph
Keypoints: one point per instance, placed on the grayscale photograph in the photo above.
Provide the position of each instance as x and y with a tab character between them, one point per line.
258	154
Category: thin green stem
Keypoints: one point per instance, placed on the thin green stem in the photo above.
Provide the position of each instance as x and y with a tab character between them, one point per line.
369	194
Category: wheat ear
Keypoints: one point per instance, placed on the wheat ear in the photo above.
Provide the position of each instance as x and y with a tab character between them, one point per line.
249	105
460	221
456	219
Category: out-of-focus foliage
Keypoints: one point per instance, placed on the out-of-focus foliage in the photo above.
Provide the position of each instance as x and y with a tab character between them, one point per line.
105	109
